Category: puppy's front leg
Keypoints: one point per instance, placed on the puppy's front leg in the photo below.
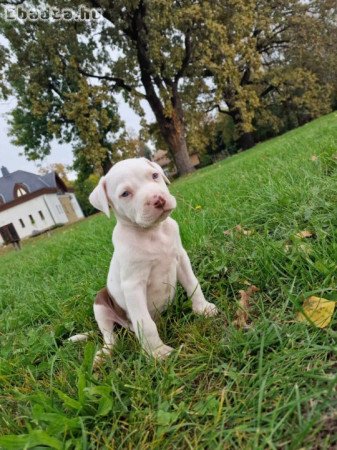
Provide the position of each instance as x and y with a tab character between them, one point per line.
142	322
192	287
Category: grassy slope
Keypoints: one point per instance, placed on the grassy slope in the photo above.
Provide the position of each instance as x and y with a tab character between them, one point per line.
272	386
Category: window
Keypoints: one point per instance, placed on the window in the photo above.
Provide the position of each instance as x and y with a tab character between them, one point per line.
22	223
20	190
41	215
31	219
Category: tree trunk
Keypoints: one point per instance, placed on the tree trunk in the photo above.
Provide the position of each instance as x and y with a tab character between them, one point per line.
175	138
175	135
172	127
106	165
245	139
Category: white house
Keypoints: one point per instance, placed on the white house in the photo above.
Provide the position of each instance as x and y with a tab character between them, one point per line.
31	204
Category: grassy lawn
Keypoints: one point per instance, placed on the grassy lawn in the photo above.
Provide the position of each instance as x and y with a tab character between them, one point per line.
270	386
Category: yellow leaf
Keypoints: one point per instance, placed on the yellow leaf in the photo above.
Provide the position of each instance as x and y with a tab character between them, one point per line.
198	207
318	311
314	158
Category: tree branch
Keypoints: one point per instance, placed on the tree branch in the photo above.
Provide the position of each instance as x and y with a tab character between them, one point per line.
187	57
218	107
55	89
13	3
270	88
119	82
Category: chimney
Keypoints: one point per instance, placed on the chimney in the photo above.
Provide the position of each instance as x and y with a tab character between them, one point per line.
4	171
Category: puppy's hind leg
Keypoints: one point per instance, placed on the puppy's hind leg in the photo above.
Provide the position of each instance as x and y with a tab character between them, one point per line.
105	318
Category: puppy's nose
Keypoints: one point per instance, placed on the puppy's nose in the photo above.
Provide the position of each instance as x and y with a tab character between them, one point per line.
159	201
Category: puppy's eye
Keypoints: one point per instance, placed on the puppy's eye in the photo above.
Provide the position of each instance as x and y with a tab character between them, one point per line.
155	176
125	194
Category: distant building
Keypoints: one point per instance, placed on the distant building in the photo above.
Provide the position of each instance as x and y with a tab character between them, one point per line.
31	204
162	158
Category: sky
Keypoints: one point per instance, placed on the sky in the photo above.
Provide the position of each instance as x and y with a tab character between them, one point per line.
11	155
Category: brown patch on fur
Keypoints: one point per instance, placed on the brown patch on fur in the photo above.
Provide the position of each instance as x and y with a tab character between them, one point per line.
104	298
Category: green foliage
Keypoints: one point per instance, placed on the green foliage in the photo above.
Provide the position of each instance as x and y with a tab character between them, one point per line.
53	99
299	98
83	188
270	386
255	63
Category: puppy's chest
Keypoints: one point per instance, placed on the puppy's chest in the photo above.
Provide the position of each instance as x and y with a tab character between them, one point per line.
163	274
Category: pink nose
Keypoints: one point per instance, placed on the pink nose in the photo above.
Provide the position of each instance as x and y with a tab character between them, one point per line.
159	201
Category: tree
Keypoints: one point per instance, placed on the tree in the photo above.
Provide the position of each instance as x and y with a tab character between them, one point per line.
250	41
299	98
160	47
183	57
53	99
144	50
316	43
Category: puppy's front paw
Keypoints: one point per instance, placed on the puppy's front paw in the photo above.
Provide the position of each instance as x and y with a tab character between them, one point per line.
162	352
206	309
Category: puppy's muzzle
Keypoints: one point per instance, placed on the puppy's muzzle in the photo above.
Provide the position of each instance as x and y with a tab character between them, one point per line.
159	202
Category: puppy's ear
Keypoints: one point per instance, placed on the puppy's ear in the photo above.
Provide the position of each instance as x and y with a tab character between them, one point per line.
99	198
160	170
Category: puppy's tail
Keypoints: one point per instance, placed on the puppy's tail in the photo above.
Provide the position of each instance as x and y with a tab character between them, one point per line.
80	337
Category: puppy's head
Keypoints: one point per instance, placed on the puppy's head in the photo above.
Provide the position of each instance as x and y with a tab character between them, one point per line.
136	191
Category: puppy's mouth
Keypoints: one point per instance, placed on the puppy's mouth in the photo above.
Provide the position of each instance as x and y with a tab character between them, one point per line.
166	210
163	214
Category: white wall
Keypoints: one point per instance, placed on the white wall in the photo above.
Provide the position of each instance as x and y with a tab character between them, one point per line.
48	204
76	206
56	209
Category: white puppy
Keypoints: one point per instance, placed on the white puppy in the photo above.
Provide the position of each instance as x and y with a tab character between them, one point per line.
148	256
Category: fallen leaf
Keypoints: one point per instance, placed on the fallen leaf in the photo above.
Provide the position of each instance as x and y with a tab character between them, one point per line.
318	311
198	207
314	158
334	156
304	234
239	228
241	316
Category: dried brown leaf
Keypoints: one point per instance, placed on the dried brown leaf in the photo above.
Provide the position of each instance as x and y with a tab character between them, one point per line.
241	316
304	234
239	228
242	230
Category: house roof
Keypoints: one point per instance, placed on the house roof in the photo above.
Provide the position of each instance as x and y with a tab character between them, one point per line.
32	181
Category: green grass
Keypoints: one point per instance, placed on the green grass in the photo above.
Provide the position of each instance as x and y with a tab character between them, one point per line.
271	386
